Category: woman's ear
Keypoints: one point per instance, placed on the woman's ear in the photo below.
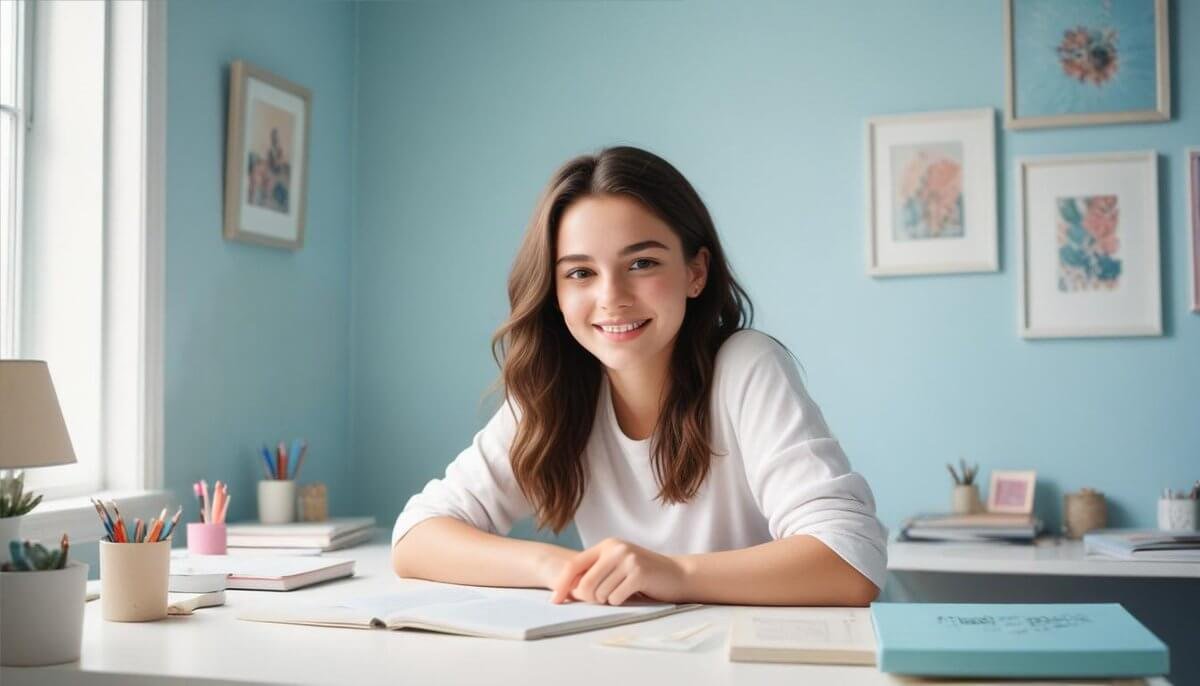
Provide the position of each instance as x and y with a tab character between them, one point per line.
698	273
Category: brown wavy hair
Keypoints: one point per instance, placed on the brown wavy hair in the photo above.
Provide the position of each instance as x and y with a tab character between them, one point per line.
554	382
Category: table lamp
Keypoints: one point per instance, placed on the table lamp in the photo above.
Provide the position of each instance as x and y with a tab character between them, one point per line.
32	430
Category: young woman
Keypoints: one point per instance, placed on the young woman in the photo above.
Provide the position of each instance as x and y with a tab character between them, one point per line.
639	405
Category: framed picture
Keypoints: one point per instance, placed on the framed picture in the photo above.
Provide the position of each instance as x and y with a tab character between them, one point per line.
1011	492
266	158
1193	196
1081	62
1089	246
931	193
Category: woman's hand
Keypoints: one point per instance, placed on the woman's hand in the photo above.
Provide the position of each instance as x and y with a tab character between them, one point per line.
613	570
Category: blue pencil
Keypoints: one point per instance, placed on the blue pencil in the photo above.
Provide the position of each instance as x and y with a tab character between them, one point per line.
270	465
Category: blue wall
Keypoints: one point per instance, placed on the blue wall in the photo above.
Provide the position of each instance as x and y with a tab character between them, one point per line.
464	109
257	339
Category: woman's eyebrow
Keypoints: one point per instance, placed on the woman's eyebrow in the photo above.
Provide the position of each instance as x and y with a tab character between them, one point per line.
631	248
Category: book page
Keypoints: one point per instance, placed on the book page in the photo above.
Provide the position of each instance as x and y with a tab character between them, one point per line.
805	628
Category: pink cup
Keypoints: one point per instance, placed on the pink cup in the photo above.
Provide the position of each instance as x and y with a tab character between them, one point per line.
206	539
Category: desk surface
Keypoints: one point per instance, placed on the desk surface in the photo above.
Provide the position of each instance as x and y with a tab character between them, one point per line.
1050	556
213	644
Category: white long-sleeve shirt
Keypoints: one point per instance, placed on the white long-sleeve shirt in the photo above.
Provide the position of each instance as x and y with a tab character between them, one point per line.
777	471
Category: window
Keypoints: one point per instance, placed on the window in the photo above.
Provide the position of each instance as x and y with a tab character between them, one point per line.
81	214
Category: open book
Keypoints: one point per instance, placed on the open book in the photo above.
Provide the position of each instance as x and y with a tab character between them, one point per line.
520	614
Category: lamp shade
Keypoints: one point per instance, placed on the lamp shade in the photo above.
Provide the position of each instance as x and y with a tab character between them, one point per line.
32	431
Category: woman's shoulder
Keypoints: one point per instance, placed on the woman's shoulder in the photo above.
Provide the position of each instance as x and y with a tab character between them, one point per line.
751	352
746	346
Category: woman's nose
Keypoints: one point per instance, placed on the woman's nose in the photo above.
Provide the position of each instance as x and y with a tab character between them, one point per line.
614	293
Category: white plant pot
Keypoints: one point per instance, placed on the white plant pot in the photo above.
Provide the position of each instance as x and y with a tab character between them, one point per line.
10	528
41	615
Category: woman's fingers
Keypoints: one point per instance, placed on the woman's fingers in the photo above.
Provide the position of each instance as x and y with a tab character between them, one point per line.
600	570
625	590
618	575
571	573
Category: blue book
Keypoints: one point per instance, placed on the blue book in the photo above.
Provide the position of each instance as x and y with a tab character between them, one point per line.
1015	640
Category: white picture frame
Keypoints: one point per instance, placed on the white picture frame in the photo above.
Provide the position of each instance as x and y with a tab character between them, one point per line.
1191	177
1011	492
931	193
1089	246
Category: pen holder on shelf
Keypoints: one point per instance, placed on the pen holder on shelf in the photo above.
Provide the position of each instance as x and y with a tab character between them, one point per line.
277	501
314	503
205	539
133	580
965	499
1178	514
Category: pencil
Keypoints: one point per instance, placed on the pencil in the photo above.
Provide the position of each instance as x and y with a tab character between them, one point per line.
174	521
300	460
122	533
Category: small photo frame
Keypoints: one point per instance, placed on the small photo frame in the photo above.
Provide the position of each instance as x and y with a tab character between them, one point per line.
1089	246
266	158
1011	492
1085	62
1193	195
931	193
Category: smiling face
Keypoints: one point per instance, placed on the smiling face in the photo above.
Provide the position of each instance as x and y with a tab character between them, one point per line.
622	281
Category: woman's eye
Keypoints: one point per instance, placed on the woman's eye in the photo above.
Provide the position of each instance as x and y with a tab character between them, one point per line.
576	274
645	263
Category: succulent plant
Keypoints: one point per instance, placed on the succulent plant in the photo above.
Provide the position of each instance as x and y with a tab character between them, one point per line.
34	557
968	473
14	501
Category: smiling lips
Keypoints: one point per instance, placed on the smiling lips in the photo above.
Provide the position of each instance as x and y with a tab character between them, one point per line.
622	331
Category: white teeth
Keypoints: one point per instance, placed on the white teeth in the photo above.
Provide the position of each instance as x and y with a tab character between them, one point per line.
622	328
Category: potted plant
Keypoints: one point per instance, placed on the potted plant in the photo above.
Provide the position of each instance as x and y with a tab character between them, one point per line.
42	595
14	503
965	498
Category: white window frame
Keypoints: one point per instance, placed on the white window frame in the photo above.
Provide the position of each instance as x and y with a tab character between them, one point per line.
139	152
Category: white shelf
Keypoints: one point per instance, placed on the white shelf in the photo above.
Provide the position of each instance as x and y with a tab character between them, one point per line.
1049	557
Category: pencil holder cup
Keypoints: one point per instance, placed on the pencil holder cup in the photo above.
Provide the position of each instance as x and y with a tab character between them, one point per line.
133	580
42	621
277	501
205	539
1178	514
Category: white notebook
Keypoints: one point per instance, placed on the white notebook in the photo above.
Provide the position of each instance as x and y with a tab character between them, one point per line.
328	535
817	635
267	573
520	614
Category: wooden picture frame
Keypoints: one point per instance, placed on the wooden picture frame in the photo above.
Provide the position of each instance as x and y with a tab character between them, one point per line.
1053	77
1011	492
266	158
930	182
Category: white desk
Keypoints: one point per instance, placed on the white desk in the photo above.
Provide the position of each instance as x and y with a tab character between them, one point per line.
212	644
1055	557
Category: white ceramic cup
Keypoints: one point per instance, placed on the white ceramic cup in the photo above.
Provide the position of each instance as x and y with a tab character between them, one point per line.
133	580
1178	514
277	501
42	618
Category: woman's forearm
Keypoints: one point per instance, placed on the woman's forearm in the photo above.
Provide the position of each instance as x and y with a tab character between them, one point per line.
798	570
449	550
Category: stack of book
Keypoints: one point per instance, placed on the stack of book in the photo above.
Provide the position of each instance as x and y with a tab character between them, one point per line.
1151	546
973	528
299	538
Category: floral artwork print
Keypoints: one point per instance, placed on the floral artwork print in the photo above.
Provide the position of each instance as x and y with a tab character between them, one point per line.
1088	243
1083	57
1089	55
928	184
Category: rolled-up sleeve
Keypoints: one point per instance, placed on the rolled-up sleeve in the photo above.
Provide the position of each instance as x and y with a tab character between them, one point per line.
800	477
479	487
